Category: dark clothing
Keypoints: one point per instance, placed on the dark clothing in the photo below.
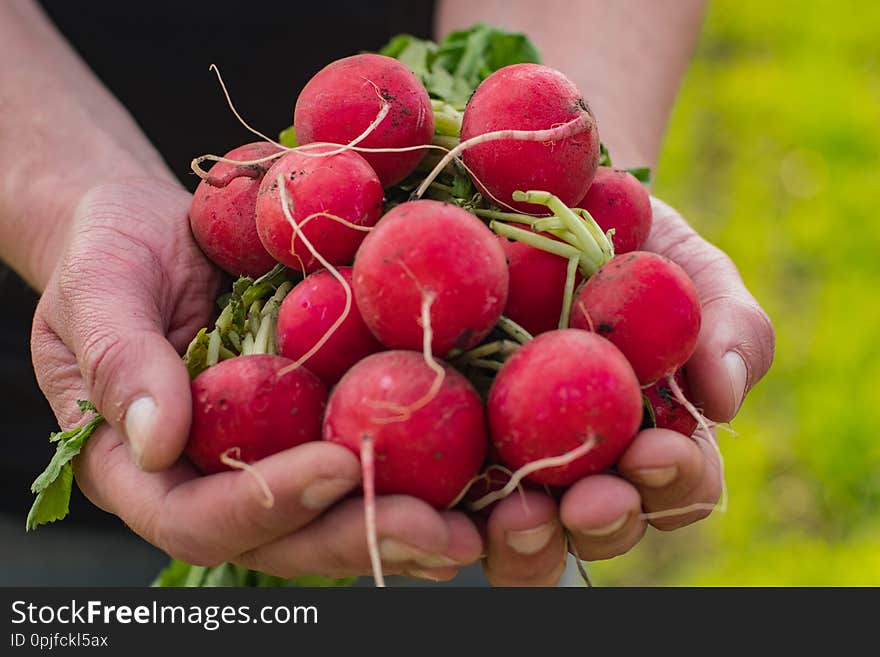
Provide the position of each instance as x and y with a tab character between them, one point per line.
154	57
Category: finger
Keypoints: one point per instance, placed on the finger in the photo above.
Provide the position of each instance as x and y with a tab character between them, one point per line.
602	514
412	536
206	520
736	342
57	373
112	310
525	542
672	472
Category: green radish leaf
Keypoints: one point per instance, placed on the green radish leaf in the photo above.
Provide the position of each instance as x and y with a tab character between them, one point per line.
397	45
462	186
287	137
173	575
642	174
452	69
54	485
604	156
181	574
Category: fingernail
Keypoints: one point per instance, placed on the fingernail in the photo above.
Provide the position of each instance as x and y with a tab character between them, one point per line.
530	541
140	420
656	477
392	550
422	574
736	372
608	529
320	494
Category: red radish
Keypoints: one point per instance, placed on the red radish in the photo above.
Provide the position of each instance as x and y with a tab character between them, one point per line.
435	252
343	99
341	184
242	404
430	453
669	413
530	97
307	313
556	393
222	213
647	306
537	282
617	200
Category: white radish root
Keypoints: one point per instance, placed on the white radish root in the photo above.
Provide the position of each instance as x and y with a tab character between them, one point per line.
403	413
346	310
557	133
534	466
484	476
369	474
213	67
232	458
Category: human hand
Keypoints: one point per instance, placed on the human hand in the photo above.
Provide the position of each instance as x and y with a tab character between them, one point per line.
661	471
131	290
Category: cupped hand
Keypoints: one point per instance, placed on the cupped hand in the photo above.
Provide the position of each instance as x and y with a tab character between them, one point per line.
664	478
131	290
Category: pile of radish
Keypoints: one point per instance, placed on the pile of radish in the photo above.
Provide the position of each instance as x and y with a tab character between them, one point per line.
451	290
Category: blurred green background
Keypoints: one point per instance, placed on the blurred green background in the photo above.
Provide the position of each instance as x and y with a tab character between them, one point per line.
773	153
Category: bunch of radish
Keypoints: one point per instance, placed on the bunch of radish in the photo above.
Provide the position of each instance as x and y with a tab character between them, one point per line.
451	291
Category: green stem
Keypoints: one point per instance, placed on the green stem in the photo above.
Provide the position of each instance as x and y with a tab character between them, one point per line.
224	321
507	216
447	125
214	344
264	338
596	247
235	339
514	330
445	141
486	364
253	318
568	294
549	224
503	348
447	119
563	250
603	239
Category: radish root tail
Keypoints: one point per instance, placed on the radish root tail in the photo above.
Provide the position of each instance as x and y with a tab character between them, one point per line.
369	471
232	458
557	133
403	413
285	207
534	466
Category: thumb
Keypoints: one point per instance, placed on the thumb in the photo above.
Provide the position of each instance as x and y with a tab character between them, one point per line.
132	373
736	343
137	380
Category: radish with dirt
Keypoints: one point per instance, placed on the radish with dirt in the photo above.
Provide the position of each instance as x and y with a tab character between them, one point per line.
530	97
647	306
250	407
370	101
222	214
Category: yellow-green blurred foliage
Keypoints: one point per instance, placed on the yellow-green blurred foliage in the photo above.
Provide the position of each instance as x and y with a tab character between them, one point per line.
774	154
